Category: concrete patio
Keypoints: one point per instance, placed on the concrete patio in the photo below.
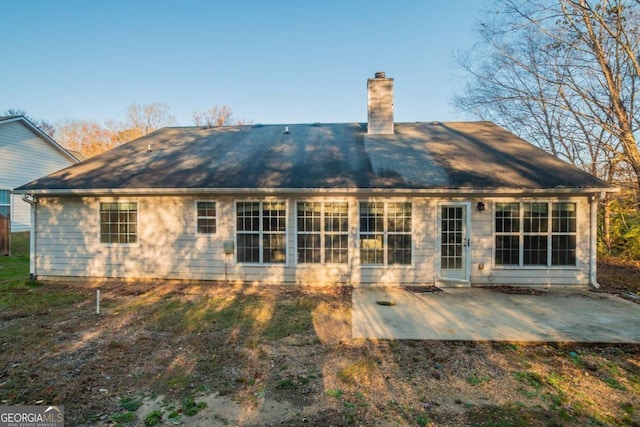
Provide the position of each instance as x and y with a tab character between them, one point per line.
477	314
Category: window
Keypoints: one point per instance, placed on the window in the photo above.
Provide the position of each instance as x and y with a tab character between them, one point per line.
309	232
261	232
536	227
5	203
371	232
322	232
206	217
248	229
385	233
399	233
507	234
523	236
336	232
563	234
119	222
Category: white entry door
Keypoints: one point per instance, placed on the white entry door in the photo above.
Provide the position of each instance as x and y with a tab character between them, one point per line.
454	242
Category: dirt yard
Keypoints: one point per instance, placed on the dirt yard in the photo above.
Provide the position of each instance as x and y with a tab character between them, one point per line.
208	354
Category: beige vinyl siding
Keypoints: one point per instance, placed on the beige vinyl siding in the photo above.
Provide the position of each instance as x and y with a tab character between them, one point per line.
68	244
68	241
481	240
24	157
168	247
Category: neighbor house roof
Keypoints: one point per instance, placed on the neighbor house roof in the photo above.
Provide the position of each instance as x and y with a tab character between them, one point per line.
66	153
469	156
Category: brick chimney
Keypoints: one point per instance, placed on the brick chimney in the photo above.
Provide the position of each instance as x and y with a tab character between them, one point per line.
380	105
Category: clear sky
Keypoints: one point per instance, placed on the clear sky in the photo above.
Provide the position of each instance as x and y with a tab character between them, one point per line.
289	61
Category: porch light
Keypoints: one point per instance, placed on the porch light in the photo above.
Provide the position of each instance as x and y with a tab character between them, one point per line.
480	206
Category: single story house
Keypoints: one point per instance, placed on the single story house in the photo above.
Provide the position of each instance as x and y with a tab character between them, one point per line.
376	203
26	153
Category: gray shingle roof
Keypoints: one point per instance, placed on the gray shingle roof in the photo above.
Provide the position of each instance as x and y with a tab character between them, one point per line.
469	155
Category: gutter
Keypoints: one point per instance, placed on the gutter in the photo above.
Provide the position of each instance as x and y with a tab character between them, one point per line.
493	192
33	201
593	240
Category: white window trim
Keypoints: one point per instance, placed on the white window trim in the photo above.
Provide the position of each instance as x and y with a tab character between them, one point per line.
549	234
119	245
207	217
385	233
323	233
261	233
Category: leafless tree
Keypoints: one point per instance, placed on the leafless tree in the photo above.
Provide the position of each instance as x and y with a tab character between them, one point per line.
42	124
217	115
563	74
149	117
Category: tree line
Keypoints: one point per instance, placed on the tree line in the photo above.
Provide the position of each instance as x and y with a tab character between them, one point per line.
565	75
90	138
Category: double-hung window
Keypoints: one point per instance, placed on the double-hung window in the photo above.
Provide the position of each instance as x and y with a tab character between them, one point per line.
535	234
322	232
507	234
309	216
261	232
119	222
563	234
206	217
385	233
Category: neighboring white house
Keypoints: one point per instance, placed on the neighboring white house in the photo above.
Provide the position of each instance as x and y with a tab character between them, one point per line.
26	153
357	203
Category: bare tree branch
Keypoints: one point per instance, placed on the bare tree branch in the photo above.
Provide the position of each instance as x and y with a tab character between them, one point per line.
563	74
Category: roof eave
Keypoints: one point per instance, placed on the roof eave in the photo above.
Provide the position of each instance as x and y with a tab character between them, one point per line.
314	191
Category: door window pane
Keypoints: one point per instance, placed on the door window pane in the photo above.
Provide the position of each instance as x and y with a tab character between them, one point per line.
452	236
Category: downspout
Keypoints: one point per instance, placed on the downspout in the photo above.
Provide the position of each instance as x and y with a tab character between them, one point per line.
31	199
593	241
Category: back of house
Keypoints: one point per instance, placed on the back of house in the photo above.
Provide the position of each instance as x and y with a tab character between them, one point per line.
376	203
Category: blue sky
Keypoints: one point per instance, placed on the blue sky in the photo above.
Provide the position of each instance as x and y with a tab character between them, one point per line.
270	61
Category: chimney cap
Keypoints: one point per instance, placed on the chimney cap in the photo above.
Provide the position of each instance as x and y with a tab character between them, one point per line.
380	75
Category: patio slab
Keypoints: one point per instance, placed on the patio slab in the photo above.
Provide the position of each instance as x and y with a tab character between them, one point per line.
477	314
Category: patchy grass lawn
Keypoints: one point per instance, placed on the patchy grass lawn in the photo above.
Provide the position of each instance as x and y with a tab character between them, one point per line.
16	267
207	354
